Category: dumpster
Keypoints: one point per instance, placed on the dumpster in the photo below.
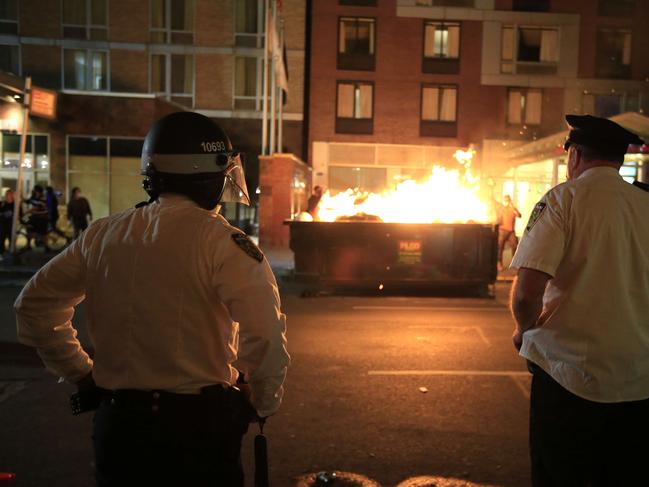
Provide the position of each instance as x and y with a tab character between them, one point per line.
382	255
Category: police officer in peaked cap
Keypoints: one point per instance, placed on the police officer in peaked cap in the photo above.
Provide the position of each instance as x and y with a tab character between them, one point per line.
581	306
181	306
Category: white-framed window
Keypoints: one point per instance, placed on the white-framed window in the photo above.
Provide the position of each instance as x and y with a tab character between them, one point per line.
172	76
9	17
247	83
355	100
529	50
442	40
172	21
85	19
524	106
439	103
85	69
249	23
10	58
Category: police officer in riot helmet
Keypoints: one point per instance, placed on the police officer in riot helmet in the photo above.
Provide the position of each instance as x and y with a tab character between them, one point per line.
183	313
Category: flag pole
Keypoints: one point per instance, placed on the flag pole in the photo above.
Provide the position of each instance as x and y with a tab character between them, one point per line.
280	92
273	81
264	123
23	145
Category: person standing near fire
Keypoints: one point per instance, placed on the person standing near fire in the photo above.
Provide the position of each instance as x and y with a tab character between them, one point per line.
581	306
181	307
507	229
313	204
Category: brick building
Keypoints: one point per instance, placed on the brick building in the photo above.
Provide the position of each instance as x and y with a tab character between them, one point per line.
118	65
399	85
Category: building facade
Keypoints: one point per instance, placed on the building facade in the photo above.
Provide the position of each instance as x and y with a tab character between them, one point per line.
399	85
120	64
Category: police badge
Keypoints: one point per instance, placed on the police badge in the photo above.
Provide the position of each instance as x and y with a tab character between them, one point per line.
536	214
248	246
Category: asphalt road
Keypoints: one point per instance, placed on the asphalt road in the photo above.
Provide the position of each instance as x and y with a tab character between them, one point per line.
389	388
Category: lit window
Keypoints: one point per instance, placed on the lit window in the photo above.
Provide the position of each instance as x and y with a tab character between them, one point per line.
355	100
85	19
249	23
10	59
85	69
439	103
172	21
524	107
613	54
172	76
247	93
529	50
9	17
441	40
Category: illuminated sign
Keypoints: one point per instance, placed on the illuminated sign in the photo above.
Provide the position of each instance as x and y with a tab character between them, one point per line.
42	103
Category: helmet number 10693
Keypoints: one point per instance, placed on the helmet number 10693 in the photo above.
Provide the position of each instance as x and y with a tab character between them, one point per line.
218	146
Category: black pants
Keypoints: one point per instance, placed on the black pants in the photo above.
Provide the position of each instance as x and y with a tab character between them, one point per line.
144	439
575	442
504	237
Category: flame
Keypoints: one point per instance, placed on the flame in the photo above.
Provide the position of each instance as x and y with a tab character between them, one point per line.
447	196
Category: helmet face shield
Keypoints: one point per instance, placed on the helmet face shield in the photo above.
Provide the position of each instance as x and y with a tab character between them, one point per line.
235	190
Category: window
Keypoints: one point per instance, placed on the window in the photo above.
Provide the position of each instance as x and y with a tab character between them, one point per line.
354	107
108	172
356	38
10	59
441	47
529	50
247	83
524	107
445	3
85	19
613	58
172	76
85	69
438	110
616	8
36	152
608	104
172	21
9	17
249	23
531	5
341	178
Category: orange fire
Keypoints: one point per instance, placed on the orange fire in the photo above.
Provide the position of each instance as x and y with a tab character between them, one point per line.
447	196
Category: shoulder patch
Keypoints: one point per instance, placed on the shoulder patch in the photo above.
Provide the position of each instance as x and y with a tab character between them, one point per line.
536	214
248	246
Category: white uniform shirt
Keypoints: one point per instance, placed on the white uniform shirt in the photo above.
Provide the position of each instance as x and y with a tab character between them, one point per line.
173	303
592	237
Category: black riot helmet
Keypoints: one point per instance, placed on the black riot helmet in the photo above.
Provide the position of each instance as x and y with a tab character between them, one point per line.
188	153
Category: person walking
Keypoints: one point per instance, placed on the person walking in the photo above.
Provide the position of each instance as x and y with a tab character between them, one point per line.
6	219
181	306
79	212
53	212
580	302
507	229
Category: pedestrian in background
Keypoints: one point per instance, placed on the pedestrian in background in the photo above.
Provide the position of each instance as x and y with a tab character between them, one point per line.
507	229
37	218
581	305
7	206
79	212
181	306
52	202
314	202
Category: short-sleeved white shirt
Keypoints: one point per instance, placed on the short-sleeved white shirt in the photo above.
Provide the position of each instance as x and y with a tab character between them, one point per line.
591	235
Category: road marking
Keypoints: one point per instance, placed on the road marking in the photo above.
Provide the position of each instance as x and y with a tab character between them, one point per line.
524	388
429	308
490	373
477	329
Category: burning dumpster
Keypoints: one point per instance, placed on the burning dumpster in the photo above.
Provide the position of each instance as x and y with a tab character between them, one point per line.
437	232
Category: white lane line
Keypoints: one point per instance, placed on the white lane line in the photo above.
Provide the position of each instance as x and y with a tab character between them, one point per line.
477	329
524	388
429	308
490	373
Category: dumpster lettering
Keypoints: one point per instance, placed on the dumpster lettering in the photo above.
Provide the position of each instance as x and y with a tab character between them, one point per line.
410	252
